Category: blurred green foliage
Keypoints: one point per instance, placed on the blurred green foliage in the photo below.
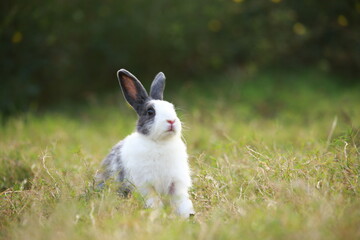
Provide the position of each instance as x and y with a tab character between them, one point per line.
54	50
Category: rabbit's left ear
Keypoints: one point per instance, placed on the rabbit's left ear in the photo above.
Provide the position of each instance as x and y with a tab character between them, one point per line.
158	86
134	92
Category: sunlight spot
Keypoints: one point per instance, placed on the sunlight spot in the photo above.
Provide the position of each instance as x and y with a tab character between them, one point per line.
276	1
299	29
214	25
342	21
238	1
17	37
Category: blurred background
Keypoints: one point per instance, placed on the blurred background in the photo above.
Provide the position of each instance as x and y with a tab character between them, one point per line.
54	51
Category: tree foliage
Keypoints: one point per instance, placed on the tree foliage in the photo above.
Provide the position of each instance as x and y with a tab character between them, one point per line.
53	49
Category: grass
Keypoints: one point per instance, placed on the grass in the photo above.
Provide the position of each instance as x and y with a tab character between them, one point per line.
274	156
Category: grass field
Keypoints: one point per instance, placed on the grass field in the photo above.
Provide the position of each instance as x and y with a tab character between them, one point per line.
273	156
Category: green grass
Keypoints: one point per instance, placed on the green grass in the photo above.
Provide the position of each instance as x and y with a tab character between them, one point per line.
274	156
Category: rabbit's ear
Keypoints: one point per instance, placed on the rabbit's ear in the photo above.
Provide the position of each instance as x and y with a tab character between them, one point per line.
134	92
158	86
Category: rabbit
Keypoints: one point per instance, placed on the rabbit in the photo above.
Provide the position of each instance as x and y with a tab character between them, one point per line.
153	159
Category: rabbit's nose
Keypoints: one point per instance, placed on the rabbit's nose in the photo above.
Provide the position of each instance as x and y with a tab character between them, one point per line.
171	121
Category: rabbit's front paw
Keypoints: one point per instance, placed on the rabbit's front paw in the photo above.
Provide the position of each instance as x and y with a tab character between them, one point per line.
185	208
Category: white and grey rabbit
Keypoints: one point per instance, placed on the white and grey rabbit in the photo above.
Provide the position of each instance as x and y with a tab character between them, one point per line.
153	159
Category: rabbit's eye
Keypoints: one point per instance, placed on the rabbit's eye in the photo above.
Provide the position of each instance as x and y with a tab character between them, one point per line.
150	112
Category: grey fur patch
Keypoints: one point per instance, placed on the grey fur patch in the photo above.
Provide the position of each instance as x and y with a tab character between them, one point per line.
112	166
158	86
145	121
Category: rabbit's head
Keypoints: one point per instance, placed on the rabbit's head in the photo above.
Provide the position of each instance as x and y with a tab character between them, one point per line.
157	118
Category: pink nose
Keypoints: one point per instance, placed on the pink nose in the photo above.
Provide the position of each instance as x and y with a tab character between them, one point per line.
171	121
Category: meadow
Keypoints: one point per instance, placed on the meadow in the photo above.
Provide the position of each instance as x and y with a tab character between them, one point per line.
273	156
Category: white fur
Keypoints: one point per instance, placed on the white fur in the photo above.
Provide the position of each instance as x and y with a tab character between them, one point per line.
164	111
157	163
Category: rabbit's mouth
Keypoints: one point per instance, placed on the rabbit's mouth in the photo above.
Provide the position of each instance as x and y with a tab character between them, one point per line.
167	134
171	129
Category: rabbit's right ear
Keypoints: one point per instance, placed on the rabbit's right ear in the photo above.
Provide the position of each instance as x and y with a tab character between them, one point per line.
158	86
134	92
